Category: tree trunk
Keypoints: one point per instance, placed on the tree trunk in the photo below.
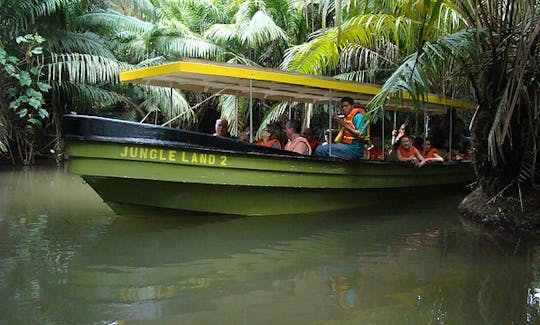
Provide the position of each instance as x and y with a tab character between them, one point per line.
494	179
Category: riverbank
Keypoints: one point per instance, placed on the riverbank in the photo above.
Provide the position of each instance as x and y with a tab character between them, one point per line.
505	215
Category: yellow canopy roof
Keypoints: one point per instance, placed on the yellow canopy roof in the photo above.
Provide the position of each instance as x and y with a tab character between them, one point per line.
272	84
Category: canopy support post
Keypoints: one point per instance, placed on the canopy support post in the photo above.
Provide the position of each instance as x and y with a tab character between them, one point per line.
250	111
235	116
395	119
330	115
450	133
289	110
171	104
426	126
382	135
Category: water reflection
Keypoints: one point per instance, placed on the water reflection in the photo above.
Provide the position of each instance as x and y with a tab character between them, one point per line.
65	258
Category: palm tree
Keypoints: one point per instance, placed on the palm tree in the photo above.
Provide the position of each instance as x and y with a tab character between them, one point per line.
486	50
80	68
506	128
150	32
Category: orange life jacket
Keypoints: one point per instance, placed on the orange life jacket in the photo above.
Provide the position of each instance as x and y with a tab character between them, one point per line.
269	143
407	154
429	154
375	154
348	137
292	144
313	143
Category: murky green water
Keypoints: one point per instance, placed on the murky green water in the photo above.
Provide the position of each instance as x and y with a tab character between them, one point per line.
65	258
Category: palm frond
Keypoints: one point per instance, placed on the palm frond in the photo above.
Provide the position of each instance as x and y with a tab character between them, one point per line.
152	61
76	93
144	9
198	14
260	30
133	50
189	46
83	68
69	42
17	16
273	115
318	56
170	104
227	106
415	76
115	21
223	33
513	93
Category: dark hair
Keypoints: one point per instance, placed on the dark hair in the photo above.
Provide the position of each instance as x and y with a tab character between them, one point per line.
295	125
347	99
406	127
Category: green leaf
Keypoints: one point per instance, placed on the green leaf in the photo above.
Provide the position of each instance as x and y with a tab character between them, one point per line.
24	78
10	69
37	50
15	104
35	122
43	86
12	91
39	39
31	92
43	113
23	112
34	71
36	103
21	39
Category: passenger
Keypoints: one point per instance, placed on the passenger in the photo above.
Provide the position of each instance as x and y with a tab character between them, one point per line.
269	138
327	136
310	137
430	154
397	134
222	128
407	152
404	130
244	136
467	150
296	143
375	149
456	155
351	145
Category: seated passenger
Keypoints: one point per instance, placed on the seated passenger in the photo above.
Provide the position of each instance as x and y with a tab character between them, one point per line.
397	134
296	143
407	152
269	138
244	136
404	130
351	145
430	154
222	128
375	149
328	136
310	137
456	155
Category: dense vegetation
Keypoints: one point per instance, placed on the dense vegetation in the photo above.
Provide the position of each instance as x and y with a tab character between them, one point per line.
64	55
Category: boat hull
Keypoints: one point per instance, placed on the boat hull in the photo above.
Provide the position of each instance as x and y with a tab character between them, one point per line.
139	173
134	197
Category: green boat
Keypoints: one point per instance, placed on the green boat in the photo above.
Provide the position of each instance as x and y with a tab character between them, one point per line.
138	168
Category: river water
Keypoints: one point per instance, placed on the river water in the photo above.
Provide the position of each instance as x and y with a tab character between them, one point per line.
65	258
